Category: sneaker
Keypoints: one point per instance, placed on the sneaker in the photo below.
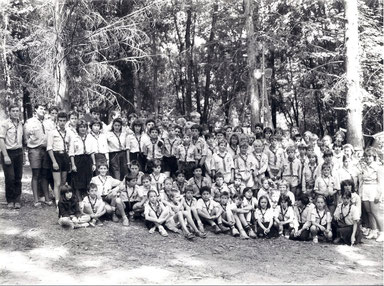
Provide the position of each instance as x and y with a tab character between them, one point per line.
49	203
336	240
251	234
216	229
243	235
11	205
373	234
223	228
115	218
380	238
92	223
125	221
17	205
152	230
201	234
81	225
189	236
162	231
235	232
315	239
38	205
99	223
174	229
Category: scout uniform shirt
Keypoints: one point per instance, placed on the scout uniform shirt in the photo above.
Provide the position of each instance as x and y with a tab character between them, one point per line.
12	133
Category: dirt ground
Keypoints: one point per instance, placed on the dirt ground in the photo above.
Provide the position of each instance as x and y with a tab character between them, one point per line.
34	249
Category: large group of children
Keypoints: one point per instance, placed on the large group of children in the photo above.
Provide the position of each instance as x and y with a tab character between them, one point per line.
180	176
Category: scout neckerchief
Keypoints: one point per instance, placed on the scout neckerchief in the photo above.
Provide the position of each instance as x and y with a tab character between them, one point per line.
197	185
138	139
244	160
171	144
282	212
189	203
234	150
180	186
301	212
263	214
102	182
342	214
274	156
224	206
118	139
153	147
312	170
127	191
157	181
63	138
42	125
93	205
326	184
157	209
85	138
258	158
186	152
348	173
320	217
250	202
207	206
16	128
223	159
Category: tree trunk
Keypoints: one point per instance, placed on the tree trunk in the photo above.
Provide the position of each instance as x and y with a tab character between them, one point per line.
252	88
5	81
211	50
354	96
61	69
154	91
273	89
188	60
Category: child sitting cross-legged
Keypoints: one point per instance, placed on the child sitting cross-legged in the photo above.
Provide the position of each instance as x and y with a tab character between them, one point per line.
156	214
230	216
93	206
69	210
189	203
286	218
210	211
172	199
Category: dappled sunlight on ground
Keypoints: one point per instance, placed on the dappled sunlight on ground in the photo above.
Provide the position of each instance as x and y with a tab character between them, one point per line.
353	253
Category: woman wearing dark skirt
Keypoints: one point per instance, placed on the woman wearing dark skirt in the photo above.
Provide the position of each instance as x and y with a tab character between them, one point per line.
83	160
135	143
346	221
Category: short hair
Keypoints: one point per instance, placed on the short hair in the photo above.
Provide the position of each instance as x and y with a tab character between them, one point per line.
62	114
53	108
345	183
65	189
283	182
263	198
261	125
92	186
223	141
168	179
81	123
278	129
283	199
13	106
224	194
73	112
197	167
324	166
151	191
267	129
219	175
302	146
117	120
327	153
37	104
135	163
150	120
312	154
188	188
291	149
93	122
337	145
205	189
156	163
246	190
103	163
138	122
154	128
146	177
196	126
370	151
220	131
304	198
195	114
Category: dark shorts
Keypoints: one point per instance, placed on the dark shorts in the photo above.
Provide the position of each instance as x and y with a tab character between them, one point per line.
129	206
170	164
62	160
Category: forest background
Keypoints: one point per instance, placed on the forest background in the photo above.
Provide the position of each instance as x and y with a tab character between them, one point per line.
313	64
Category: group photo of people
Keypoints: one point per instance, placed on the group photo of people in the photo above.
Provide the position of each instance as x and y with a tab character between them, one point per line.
175	174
